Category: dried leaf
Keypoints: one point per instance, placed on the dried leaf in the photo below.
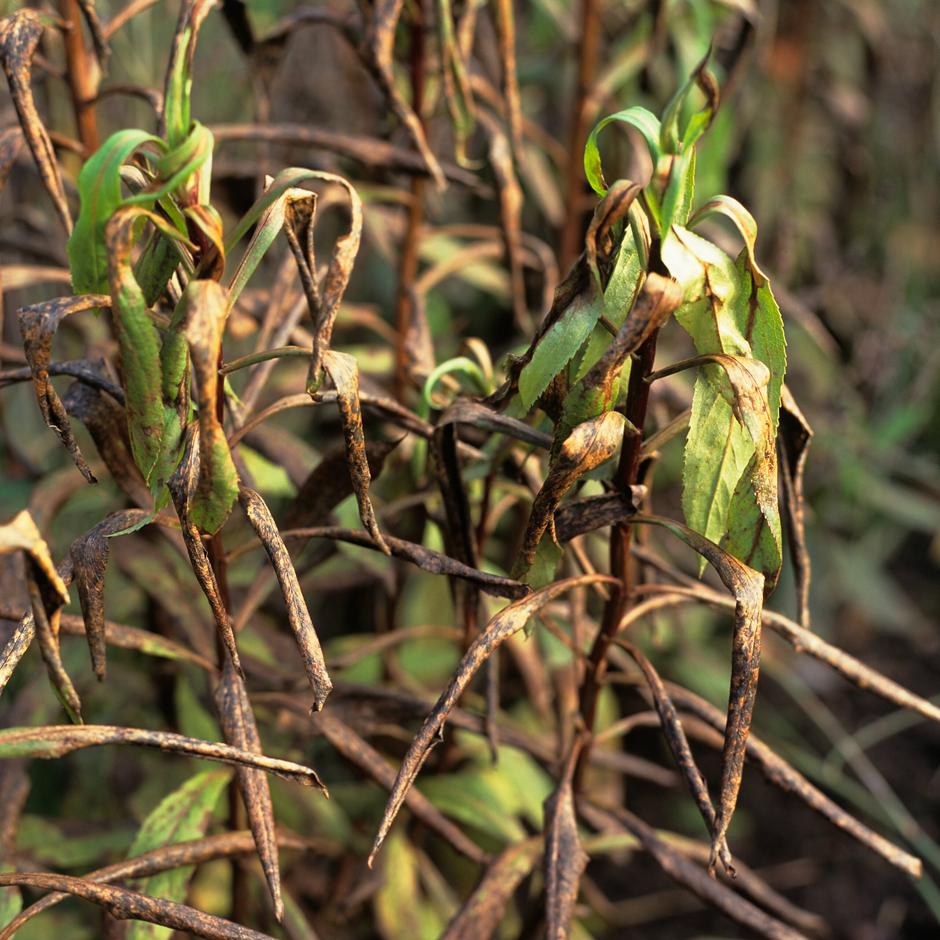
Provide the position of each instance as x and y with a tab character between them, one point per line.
565	858
794	439
466	411
297	614
38	324
588	446
129	905
508	621
51	741
89	554
344	374
19	38
241	731
482	911
747	586
595	512
182	815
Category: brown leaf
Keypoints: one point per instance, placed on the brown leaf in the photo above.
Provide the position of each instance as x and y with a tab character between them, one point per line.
425	558
344	373
164	858
89	554
679	746
129	905
565	858
259	516
241	731
50	741
794	437
38	324
466	411
181	485
361	754
508	621
588	446
19	37
483	910
377	52
747	587
595	512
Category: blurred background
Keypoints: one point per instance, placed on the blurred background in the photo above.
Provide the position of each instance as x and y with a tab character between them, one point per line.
829	131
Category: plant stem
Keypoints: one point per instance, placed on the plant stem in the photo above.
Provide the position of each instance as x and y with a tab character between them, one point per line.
574	183
82	75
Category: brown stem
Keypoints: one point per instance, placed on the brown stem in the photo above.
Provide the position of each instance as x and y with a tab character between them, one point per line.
408	266
82	75
621	598
574	183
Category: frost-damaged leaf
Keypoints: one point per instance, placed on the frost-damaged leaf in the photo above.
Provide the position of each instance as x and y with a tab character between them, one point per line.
51	741
241	731
261	520
99	190
38	324
367	758
596	512
587	447
19	37
747	587
794	439
89	553
129	905
425	558
508	621
182	815
204	307
377	51
47	595
344	373
182	485
754	534
679	746
565	858
465	411
483	910
686	873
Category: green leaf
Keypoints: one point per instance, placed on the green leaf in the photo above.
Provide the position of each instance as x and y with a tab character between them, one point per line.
401	909
99	190
743	221
11	901
640	118
561	341
184	814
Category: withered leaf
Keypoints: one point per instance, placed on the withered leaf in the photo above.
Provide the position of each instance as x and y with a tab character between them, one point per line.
241	731
508	621
595	512
367	758
344	373
129	905
38	324
19	38
50	741
794	437
466	411
425	558
565	858
483	910
588	446
261	520
747	587
679	746
89	554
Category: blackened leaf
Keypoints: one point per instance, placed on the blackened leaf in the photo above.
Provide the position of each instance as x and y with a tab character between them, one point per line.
51	741
747	586
19	37
38	324
466	411
241	731
183	814
89	554
508	621
129	905
297	614
344	373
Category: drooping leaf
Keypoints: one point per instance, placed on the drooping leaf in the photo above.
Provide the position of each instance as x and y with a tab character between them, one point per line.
183	814
638	118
